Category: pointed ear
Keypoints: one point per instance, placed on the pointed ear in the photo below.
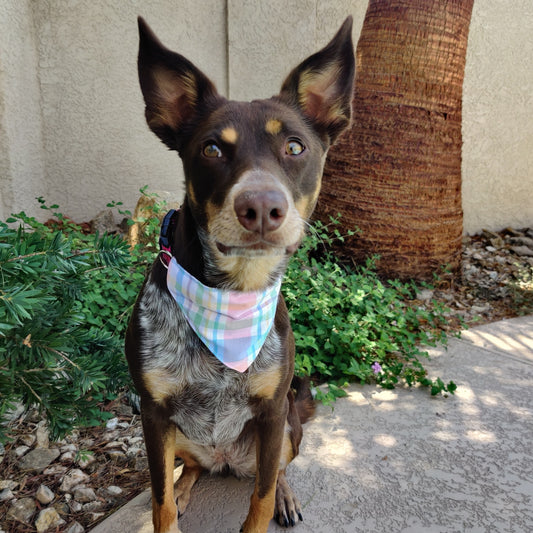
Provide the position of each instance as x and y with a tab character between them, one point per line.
322	86
173	88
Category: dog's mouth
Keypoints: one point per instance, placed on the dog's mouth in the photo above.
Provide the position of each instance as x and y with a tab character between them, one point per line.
258	249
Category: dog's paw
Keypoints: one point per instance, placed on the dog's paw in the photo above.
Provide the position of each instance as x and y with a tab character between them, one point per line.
287	511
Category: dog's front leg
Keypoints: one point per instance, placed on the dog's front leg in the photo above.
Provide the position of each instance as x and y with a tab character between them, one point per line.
160	438
269	435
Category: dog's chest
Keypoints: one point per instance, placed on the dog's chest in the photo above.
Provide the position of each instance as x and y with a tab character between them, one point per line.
209	402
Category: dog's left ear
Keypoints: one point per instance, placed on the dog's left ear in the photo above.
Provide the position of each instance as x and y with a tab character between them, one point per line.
322	86
174	90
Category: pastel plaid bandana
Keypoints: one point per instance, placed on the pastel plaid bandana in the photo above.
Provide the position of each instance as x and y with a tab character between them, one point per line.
232	324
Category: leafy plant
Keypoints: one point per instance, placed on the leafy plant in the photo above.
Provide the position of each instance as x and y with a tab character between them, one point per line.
66	297
348	324
53	353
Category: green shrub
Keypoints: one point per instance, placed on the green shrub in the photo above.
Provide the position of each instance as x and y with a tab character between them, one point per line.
66	297
54	353
349	325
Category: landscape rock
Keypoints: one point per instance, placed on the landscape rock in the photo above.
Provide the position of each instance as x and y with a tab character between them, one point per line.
141	464
22	510
55	470
117	456
112	423
21	450
522	240
133	451
74	478
28	440
115	444
522	250
6	494
75	527
44	495
425	295
68	457
8	484
62	508
91	507
42	435
84	494
113	490
13	414
93	517
38	459
48	519
104	222
69	448
75	506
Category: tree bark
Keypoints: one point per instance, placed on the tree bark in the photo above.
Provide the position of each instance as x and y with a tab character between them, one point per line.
396	175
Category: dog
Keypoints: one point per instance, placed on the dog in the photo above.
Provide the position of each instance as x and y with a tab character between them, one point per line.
253	173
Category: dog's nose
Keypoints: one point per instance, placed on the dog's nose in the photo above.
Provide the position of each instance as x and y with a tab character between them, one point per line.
261	211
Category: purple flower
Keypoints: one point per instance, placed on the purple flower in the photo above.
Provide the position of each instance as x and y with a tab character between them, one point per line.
376	368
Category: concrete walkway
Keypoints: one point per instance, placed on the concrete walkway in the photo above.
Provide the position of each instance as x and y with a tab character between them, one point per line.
401	461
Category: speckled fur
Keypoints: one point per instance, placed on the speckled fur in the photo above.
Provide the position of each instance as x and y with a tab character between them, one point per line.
212	402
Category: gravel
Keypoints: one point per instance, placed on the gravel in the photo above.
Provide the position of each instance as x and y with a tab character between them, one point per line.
71	485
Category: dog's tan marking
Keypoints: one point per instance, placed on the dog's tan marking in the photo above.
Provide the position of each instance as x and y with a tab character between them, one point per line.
190	193
160	384
165	514
287	451
306	204
229	135
261	512
249	273
302	205
273	126
264	384
212	212
189	475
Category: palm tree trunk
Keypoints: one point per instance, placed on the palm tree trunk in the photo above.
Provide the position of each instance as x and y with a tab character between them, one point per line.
396	175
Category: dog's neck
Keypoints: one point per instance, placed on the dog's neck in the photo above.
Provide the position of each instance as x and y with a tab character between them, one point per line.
186	246
192	250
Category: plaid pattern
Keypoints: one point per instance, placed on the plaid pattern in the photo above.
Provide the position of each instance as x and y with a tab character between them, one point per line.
232	324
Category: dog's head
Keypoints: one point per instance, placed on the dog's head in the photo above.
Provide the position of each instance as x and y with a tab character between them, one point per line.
252	169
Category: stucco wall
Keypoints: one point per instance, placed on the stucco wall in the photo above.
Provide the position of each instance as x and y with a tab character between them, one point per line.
71	113
498	117
97	145
21	144
268	39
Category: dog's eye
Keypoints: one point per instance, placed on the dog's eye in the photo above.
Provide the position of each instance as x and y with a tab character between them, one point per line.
294	147
212	150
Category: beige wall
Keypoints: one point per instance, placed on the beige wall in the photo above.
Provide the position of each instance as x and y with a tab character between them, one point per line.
22	168
498	117
71	113
268	39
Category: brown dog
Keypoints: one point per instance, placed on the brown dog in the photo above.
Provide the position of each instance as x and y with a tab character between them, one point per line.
252	174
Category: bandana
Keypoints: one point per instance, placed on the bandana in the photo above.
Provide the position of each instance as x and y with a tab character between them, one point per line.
232	324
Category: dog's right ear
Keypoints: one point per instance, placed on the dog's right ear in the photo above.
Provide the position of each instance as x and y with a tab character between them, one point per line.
322	85
173	88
